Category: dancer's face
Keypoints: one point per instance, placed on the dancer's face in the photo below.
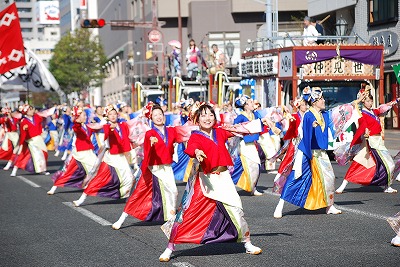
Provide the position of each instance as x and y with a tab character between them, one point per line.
320	103
249	106
303	106
112	116
206	120
368	102
157	116
82	117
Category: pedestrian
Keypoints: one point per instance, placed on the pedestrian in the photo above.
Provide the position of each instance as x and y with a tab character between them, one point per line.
216	59
319	29
373	164
309	32
247	167
82	159
311	183
175	57
192	55
114	177
32	154
155	195
211	210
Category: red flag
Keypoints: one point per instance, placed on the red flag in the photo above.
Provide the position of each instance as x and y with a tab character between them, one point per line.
12	52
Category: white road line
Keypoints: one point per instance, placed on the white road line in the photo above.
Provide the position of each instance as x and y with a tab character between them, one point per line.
183	264
88	214
28	181
364	213
359	212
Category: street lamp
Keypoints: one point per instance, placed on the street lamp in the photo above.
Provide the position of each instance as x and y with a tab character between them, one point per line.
230	48
140	67
341	26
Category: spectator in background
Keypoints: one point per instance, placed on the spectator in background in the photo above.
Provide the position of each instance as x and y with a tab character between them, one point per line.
319	29
309	32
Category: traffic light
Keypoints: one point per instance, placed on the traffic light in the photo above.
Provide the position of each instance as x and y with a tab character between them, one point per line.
93	23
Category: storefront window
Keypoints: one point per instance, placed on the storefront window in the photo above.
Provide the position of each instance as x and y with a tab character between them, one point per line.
383	11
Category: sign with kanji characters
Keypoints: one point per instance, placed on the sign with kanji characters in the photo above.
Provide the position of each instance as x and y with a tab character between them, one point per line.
338	67
262	66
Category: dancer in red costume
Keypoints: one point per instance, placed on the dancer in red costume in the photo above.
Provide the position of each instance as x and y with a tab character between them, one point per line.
114	177
9	146
155	196
211	210
373	164
32	154
82	156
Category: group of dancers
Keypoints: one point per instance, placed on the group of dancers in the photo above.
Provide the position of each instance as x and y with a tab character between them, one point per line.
116	153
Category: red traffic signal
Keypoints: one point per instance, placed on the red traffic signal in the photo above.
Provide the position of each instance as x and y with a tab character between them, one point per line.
93	23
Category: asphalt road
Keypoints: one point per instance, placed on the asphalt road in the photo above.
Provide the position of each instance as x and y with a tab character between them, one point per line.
41	230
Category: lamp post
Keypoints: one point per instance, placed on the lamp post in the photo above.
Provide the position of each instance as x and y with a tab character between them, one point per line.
140	67
230	48
341	26
129	79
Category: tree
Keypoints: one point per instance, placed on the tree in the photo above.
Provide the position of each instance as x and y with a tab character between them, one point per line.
77	60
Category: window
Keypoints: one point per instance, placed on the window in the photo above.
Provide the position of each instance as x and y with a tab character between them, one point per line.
383	11
221	39
26	29
24	10
25	19
23	1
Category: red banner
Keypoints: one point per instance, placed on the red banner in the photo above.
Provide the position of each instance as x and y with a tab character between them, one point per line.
12	52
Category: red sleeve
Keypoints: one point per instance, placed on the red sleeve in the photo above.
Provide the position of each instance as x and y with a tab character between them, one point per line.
291	131
192	145
22	135
106	128
3	120
359	132
146	151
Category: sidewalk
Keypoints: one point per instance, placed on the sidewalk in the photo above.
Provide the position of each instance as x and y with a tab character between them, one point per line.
392	141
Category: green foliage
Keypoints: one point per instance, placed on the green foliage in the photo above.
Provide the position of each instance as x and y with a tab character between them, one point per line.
77	61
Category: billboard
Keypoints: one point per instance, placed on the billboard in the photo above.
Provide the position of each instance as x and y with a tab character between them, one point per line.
47	12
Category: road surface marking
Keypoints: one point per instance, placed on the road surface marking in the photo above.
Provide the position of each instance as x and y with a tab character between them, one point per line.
359	212
28	181
88	214
183	264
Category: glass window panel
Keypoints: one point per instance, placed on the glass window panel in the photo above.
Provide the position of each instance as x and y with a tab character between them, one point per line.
216	36
232	35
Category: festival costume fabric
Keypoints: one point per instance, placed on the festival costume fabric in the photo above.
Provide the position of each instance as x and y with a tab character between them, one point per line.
310	185
155	195
211	209
10	140
246	171
114	177
373	164
66	134
292	138
80	162
33	156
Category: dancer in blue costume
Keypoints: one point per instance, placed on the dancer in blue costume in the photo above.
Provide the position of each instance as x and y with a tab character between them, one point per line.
247	165
311	184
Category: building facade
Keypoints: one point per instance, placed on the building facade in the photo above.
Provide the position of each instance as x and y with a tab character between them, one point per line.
207	22
372	21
